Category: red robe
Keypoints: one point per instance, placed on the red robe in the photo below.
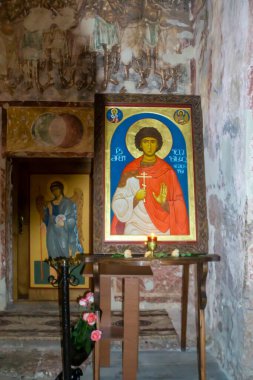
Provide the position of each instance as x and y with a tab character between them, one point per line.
175	216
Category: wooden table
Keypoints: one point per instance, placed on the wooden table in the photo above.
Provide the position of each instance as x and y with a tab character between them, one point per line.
136	265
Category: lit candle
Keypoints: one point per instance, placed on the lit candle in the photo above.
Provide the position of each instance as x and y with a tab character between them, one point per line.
152	237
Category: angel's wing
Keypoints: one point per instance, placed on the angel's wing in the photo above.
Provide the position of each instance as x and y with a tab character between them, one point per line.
77	197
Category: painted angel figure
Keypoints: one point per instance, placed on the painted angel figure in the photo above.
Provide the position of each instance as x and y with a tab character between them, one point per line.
62	220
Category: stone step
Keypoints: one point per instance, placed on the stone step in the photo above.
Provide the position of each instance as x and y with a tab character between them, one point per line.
39	326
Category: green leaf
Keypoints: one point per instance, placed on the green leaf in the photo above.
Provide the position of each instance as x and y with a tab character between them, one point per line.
118	256
160	255
87	345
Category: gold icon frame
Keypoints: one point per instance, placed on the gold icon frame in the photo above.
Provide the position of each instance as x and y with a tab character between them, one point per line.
182	116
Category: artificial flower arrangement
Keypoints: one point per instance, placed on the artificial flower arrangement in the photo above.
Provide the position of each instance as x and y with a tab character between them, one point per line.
126	255
157	255
84	333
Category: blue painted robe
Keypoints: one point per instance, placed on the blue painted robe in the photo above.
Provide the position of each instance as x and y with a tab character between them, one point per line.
62	239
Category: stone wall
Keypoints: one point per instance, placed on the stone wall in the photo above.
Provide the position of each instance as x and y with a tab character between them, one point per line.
225	86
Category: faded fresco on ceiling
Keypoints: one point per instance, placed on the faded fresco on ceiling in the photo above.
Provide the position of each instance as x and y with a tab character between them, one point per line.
68	50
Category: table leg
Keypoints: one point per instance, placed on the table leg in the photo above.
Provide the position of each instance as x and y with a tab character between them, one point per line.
202	270
131	328
184	303
105	306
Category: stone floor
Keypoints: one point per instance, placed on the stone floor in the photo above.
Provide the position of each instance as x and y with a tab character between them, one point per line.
33	355
162	365
45	364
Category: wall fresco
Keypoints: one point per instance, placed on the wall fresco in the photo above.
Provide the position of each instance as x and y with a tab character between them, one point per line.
49	130
70	49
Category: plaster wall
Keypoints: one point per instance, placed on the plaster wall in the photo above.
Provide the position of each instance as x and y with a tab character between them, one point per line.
223	66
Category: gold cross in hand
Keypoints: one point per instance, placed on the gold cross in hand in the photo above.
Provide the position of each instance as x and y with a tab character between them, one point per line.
144	175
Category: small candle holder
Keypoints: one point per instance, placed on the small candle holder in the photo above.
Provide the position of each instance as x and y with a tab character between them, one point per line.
152	243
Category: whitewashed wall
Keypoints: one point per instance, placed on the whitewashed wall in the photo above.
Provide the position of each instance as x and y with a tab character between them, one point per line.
223	66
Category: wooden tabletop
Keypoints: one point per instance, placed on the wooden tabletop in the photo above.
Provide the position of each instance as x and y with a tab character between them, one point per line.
140	260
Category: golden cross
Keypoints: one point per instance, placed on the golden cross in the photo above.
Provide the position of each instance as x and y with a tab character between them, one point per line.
144	175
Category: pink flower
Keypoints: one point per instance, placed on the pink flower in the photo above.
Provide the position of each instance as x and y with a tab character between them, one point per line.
83	302
89	297
90	318
96	335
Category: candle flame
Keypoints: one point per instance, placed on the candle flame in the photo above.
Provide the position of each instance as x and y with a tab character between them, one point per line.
152	237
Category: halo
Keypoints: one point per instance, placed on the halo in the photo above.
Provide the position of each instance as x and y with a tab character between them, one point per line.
49	193
164	131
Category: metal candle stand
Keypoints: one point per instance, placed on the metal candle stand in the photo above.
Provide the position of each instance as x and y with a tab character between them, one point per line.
152	244
65	277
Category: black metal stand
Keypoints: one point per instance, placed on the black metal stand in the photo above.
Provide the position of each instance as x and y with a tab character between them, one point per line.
64	278
65	320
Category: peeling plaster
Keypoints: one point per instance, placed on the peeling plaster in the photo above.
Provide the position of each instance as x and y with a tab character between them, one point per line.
232	128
